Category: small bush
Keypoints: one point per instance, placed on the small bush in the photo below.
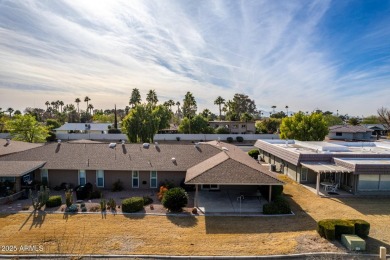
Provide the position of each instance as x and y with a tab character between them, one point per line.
160	194
82	205
72	208
117	186
177	138
112	204
83	209
254	153
332	229
96	194
114	131
68	198
103	204
132	204
277	190
54	201
279	206
240	139
194	211
147	200
222	130
229	139
175	199
94	209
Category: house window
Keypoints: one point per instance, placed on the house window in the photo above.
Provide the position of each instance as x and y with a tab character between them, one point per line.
368	182
384	184
304	174
135	179
243	126
339	134
82	177
9	179
100	178
44	176
153	179
210	187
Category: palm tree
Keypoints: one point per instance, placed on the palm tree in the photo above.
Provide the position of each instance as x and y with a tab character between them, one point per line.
61	103
78	101
90	107
87	99
273	109
47	105
135	98
151	97
287	110
219	101
10	110
53	105
178	108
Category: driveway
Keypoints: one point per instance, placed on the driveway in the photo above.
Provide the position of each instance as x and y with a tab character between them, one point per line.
229	202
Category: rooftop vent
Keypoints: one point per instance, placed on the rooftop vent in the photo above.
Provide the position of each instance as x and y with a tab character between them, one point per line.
173	159
123	141
59	141
112	145
196	144
156	143
225	149
8	141
145	145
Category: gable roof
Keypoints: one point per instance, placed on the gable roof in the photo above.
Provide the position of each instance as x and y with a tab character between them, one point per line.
349	129
15	146
83	127
18	168
230	166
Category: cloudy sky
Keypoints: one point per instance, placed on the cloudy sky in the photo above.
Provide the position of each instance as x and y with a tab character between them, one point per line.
331	55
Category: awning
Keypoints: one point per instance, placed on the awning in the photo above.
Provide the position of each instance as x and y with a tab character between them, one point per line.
18	168
320	167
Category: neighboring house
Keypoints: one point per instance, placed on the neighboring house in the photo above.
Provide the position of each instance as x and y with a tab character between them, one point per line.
208	166
358	167
350	133
235	127
8	146
378	129
92	128
173	129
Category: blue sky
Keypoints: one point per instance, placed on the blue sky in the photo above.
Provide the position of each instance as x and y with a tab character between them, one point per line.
330	55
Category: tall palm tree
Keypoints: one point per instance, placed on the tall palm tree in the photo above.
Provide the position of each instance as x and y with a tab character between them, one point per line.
90	108
178	108
135	97
53	105
273	109
219	101
47	105
10	110
61	103
78	101
151	97
87	99
287	110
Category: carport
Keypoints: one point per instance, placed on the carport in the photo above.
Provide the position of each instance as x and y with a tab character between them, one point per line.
233	176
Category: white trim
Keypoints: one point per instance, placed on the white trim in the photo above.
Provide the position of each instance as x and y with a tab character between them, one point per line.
97	178
85	176
151	178
133	178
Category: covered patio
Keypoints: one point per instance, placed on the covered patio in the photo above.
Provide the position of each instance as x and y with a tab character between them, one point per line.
323	169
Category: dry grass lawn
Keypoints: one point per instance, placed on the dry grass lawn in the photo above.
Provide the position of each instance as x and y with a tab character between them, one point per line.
166	235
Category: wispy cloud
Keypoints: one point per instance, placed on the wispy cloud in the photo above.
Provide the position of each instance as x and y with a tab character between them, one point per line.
278	53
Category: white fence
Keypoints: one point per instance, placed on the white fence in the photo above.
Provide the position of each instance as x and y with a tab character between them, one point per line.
113	137
4	135
210	137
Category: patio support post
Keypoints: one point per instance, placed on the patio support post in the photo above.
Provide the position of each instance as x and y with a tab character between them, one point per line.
196	196
270	193
318	184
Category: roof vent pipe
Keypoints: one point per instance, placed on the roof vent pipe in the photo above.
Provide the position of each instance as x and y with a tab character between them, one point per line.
173	159
112	145
59	141
8	141
145	145
123	141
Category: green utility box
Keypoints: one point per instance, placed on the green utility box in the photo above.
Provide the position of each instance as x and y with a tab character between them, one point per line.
353	242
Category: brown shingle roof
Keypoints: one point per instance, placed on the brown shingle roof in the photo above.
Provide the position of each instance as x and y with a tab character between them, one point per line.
15	146
230	166
123	157
18	168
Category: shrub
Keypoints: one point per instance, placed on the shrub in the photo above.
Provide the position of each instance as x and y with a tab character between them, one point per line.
240	139
117	186
194	211
103	204
254	153
332	229
175	199
82	205
72	208
114	131
229	139
160	194
132	204
279	206
112	204
54	201
83	209
96	194
277	190
177	138
222	130
68	198
94	209
147	200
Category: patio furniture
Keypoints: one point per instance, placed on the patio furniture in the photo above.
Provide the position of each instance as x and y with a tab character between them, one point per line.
334	187
327	185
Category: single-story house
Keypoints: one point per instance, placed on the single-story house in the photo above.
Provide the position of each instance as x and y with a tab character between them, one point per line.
8	146
378	129
235	127
357	167
350	133
92	128
208	166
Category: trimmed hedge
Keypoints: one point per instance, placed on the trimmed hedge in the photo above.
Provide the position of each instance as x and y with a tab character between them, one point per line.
229	139
240	139
279	206
175	199
132	204
332	229
54	201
